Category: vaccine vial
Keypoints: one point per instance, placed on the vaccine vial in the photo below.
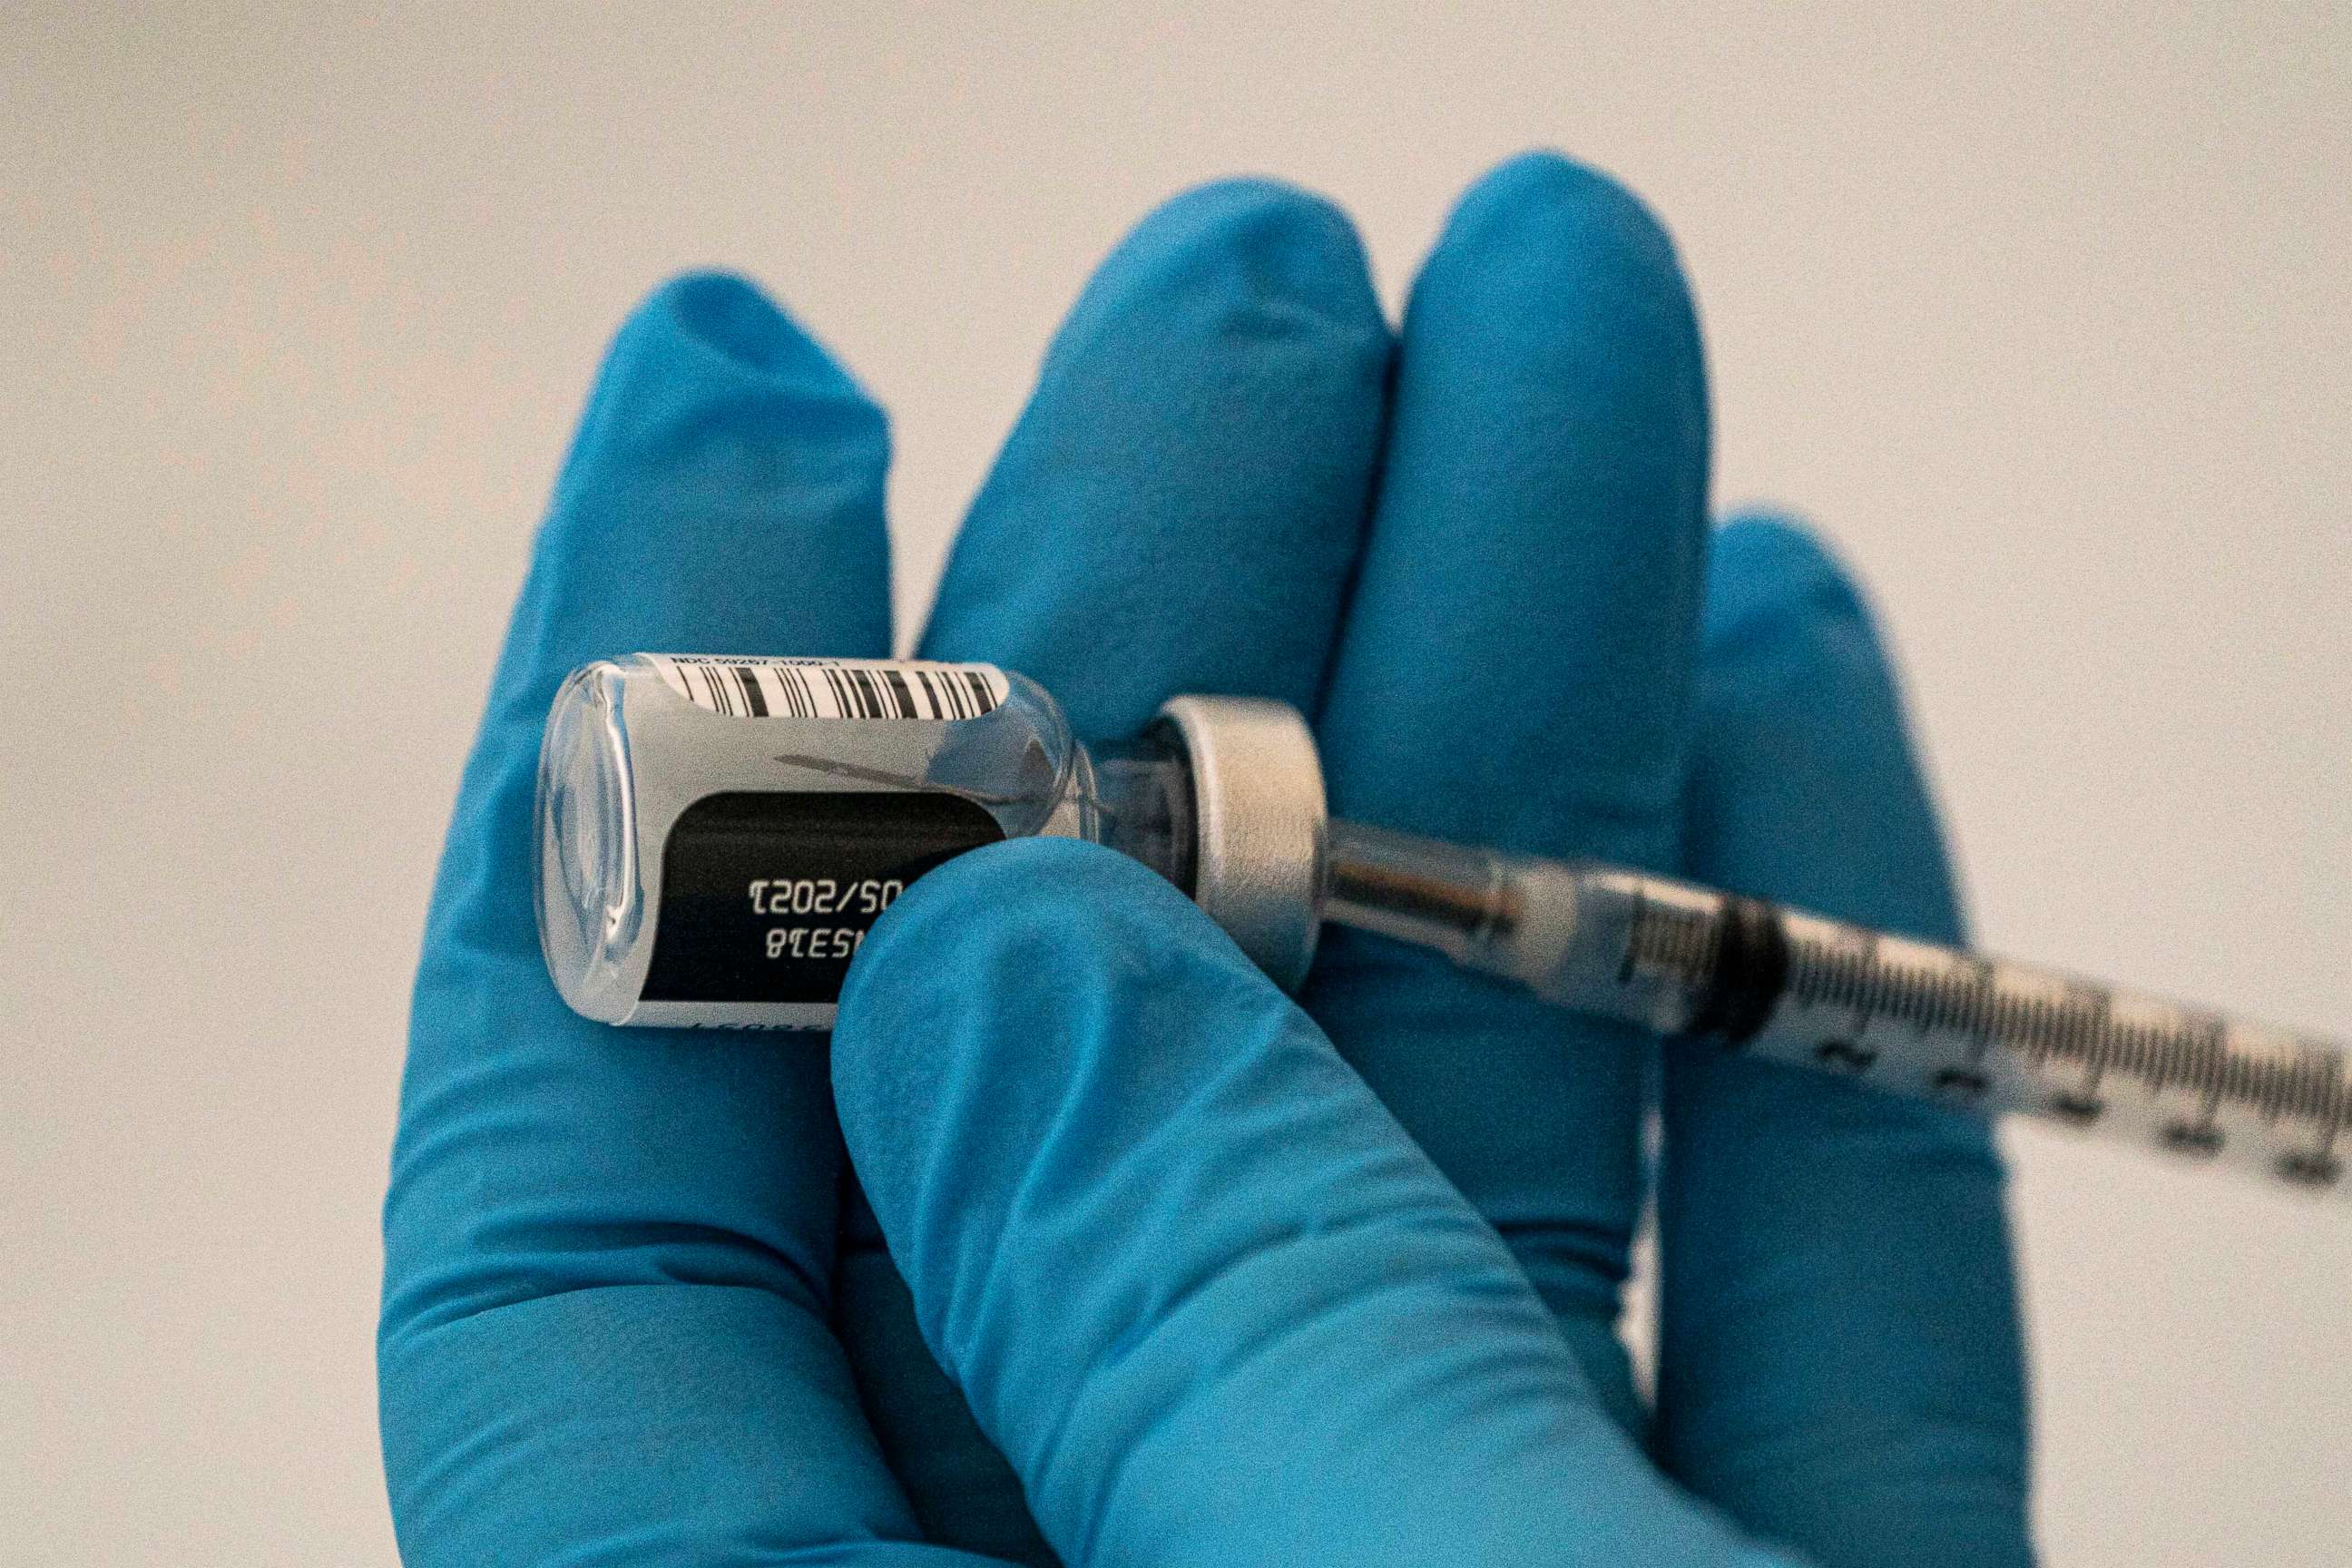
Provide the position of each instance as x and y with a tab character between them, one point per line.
717	835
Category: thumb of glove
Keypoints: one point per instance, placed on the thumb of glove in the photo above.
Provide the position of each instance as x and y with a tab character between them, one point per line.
1195	1282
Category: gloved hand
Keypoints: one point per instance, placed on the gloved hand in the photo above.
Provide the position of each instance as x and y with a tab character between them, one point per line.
1206	1289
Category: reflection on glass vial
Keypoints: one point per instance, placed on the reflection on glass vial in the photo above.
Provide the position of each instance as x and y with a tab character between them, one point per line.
715	836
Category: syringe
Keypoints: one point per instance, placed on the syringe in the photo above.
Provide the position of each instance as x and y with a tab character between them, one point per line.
1970	1031
717	835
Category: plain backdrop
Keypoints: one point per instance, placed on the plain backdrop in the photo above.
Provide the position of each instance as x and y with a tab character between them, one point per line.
2043	317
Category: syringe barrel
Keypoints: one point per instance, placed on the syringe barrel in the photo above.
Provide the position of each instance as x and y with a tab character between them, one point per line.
1976	1033
1994	1035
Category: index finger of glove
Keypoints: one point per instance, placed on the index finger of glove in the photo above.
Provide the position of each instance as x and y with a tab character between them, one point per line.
1177	510
1197	1285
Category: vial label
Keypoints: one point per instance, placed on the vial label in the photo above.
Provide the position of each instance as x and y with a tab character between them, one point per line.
833	687
767	896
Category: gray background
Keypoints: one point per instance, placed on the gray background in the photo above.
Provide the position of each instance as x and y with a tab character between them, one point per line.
2043	319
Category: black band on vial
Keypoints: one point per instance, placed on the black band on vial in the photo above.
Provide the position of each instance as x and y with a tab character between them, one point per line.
1751	966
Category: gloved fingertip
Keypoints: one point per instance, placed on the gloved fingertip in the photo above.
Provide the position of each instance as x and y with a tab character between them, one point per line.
1547	202
732	318
1034	926
1262	251
1192	470
993	904
710	360
1773	581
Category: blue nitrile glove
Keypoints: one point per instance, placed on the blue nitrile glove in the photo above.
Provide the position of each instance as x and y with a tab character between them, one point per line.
1213	1297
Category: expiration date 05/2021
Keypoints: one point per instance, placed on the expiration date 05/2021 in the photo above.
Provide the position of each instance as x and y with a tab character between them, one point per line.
867	896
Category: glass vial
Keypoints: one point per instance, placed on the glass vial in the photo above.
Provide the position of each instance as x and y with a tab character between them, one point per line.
715	836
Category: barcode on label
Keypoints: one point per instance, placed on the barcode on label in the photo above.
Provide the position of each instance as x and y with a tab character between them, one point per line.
833	687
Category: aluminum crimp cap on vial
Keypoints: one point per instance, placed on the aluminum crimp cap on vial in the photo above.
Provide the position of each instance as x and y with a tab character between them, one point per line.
1257	791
